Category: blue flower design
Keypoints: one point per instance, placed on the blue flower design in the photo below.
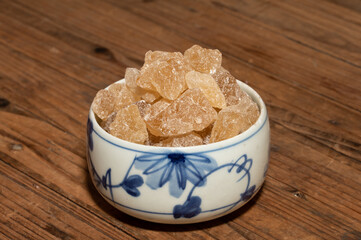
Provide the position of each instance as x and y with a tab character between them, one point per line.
174	168
89	131
189	209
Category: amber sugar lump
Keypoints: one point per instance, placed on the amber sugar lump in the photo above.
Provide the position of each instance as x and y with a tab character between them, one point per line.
190	112
208	86
103	104
234	120
143	107
229	86
169	78
129	125
156	108
202	59
152	56
156	65
187	140
124	98
131	76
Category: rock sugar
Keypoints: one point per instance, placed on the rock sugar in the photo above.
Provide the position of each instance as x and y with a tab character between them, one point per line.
176	100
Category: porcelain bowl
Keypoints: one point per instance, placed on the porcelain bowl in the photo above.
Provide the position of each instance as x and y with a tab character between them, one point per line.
177	185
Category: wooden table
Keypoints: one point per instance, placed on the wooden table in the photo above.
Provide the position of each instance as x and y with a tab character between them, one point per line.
302	56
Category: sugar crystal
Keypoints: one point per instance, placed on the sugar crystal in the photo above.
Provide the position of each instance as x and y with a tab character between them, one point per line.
156	108
154	140
152	62
131	76
152	56
146	75
105	124
234	120
115	88
149	96
190	139
229	86
103	104
129	125
209	87
179	117
143	107
206	133
168	77
202	59
124	98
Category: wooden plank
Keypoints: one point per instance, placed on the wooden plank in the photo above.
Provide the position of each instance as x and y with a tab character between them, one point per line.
44	214
306	23
352	5
84	61
56	54
42	96
316	178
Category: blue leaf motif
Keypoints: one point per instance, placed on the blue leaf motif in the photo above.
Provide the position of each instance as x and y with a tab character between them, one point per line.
131	184
89	134
104	182
189	209
134	181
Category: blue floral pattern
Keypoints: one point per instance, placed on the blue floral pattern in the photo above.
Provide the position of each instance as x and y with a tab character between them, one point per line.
180	172
177	169
174	168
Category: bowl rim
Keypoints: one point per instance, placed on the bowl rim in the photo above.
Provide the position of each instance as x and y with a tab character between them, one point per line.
250	132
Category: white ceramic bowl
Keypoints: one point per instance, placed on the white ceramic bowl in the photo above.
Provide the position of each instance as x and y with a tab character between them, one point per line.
179	185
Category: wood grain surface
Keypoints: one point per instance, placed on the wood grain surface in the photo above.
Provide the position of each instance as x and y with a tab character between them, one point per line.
302	56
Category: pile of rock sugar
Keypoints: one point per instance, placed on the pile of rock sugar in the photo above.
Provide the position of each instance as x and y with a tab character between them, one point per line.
176	100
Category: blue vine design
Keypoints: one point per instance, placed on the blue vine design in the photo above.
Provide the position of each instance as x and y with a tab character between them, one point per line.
130	183
191	207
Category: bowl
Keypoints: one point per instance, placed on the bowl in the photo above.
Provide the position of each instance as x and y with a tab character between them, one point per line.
178	185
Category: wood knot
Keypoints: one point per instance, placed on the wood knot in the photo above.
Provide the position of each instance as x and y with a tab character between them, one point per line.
101	50
4	102
334	122
296	192
104	53
299	194
274	148
16	147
